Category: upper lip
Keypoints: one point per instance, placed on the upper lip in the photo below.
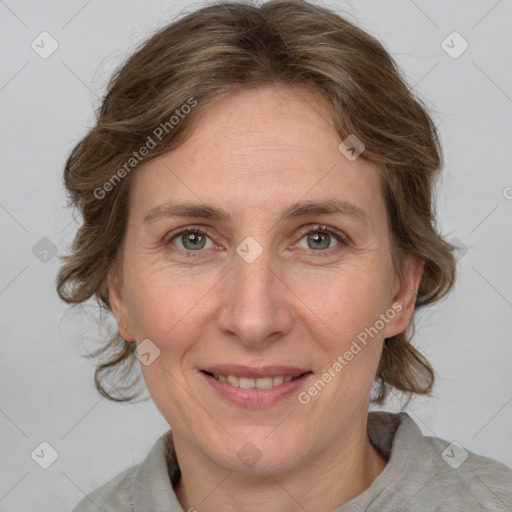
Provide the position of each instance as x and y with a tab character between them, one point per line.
255	372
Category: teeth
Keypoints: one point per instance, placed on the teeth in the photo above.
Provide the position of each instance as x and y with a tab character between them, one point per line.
277	380
245	382
248	382
234	381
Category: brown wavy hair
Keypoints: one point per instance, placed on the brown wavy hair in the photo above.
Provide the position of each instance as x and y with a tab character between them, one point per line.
224	48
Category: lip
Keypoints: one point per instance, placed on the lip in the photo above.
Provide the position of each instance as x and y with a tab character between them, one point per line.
255	372
255	397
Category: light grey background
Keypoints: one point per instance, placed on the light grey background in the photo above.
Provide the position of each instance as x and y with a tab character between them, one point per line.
47	392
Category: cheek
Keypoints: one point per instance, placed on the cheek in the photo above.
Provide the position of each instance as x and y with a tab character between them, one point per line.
349	305
348	301
165	312
160	306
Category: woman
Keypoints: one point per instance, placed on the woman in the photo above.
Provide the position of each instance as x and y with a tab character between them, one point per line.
258	217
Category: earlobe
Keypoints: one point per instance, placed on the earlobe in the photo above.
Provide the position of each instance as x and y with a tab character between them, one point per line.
404	299
118	306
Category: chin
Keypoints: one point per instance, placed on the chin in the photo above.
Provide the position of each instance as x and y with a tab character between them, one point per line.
252	454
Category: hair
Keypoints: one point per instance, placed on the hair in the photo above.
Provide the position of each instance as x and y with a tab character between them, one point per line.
224	48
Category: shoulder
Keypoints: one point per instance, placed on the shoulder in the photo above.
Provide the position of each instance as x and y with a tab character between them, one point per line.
112	496
142	487
484	481
433	473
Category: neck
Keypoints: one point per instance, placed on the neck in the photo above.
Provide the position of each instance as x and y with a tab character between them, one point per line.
325	482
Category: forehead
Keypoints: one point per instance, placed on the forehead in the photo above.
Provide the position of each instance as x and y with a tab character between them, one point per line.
259	151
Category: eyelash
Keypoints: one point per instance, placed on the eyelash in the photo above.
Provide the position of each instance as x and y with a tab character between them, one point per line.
318	228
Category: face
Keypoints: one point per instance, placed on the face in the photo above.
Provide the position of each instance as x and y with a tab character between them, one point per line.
270	290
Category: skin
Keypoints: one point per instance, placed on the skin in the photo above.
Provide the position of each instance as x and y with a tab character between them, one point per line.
255	153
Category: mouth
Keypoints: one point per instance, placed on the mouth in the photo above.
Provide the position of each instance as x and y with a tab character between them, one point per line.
238	381
255	387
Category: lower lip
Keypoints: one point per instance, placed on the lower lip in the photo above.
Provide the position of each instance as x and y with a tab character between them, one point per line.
255	397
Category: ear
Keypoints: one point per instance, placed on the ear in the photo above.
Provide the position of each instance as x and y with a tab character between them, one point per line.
404	295
118	304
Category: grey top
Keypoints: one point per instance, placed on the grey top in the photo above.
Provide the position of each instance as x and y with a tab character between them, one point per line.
423	473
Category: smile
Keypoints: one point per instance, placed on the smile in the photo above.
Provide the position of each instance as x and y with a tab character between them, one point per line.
251	387
248	382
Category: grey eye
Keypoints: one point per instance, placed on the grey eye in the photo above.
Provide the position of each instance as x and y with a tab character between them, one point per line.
192	240
319	239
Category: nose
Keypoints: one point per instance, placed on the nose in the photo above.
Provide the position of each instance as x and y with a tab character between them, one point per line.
256	309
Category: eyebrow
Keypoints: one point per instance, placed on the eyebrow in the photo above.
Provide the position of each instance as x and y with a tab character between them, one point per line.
296	210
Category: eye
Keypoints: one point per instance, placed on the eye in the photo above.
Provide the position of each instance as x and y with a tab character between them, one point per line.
319	238
191	238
